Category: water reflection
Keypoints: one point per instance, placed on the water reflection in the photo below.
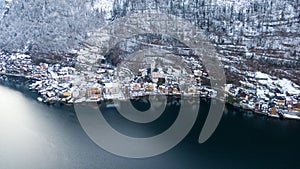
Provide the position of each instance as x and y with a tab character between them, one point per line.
30	136
35	135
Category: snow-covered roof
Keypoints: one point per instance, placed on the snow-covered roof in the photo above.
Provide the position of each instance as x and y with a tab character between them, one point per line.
111	85
284	84
260	75
288	86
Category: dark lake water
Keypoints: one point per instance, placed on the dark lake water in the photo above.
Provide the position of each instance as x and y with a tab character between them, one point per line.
36	135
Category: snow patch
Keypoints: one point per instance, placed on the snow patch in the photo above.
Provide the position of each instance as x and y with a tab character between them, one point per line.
284	84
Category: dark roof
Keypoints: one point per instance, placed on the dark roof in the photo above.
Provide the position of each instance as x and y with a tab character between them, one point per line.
155	70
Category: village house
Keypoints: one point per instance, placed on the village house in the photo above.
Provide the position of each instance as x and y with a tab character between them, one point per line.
197	73
95	92
150	86
296	107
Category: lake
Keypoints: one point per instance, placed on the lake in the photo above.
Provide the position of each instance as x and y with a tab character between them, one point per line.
36	135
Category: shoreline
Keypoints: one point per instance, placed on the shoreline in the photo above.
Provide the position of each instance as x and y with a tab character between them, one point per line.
34	95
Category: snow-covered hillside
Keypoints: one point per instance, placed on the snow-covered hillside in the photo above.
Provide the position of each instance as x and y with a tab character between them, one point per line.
47	27
250	35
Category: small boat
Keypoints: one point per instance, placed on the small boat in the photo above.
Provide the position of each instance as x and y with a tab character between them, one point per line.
112	105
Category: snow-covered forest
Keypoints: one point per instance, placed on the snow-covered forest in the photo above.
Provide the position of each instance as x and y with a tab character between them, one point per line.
250	35
47	26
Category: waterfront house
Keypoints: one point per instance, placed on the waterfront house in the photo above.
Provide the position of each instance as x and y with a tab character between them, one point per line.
264	107
112	91
176	90
297	107
67	94
150	86
273	110
135	86
95	92
163	89
257	105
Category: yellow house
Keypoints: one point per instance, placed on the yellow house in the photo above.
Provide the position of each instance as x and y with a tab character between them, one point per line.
273	110
67	94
